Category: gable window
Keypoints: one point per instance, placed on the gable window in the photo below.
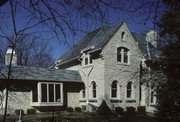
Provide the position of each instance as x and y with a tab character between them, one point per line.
51	92
122	55
114	89
93	89
123	36
129	90
87	59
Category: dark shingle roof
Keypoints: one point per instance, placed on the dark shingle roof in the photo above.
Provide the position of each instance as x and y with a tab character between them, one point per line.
97	38
43	74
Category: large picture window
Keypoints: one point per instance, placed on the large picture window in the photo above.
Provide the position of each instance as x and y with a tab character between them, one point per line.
122	55
50	92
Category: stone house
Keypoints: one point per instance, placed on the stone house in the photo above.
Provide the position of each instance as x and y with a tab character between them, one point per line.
105	64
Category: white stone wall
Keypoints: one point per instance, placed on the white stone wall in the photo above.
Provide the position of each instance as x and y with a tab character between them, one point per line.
18	100
106	69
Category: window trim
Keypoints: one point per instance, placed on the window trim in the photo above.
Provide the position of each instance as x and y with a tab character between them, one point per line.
39	92
132	91
121	53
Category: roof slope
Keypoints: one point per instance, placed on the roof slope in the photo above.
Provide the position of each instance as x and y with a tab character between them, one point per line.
99	37
43	74
96	38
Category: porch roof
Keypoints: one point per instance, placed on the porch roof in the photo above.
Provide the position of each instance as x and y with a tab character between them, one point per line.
40	74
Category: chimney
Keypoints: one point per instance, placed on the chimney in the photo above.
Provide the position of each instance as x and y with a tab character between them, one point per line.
8	57
151	37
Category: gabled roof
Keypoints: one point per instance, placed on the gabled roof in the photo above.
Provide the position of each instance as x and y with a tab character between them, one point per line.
41	74
98	38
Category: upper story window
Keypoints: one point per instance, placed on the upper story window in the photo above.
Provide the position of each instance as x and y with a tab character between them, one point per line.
87	59
122	55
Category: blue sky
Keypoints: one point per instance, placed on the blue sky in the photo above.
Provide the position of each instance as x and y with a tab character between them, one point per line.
136	23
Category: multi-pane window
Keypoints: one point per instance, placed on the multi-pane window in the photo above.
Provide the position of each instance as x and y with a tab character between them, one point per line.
114	89
129	90
123	55
50	92
93	89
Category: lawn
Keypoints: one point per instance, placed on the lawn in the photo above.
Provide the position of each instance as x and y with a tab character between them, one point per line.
81	117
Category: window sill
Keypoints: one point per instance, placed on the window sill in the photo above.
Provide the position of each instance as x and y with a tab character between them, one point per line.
93	100
113	100
130	101
126	64
86	66
46	104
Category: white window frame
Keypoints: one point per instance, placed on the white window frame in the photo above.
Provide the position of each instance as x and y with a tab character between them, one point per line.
89	59
39	92
122	50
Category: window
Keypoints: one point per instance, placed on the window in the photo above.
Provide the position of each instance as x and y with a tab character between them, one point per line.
123	36
50	92
93	89
83	92
87	59
129	90
123	55
114	89
152	95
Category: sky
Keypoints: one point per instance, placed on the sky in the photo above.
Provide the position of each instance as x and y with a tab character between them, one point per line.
139	22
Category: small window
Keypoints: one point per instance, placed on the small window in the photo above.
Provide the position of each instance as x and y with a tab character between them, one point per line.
123	36
93	89
129	90
122	55
114	89
87	59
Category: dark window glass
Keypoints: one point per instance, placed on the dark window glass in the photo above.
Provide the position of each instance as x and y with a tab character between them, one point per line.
51	92
94	89
34	94
129	90
44	92
86	61
152	97
125	55
90	60
58	93
114	89
119	54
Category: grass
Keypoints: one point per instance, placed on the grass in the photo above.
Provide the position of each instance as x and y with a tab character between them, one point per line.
137	117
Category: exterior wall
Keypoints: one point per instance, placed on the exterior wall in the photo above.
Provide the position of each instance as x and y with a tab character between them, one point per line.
123	73
18	100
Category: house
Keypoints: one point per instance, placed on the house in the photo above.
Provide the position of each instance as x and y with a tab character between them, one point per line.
104	65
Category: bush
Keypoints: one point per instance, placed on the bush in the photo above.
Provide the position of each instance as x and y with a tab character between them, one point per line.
78	109
17	111
104	109
141	109
130	110
69	109
31	111
119	110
